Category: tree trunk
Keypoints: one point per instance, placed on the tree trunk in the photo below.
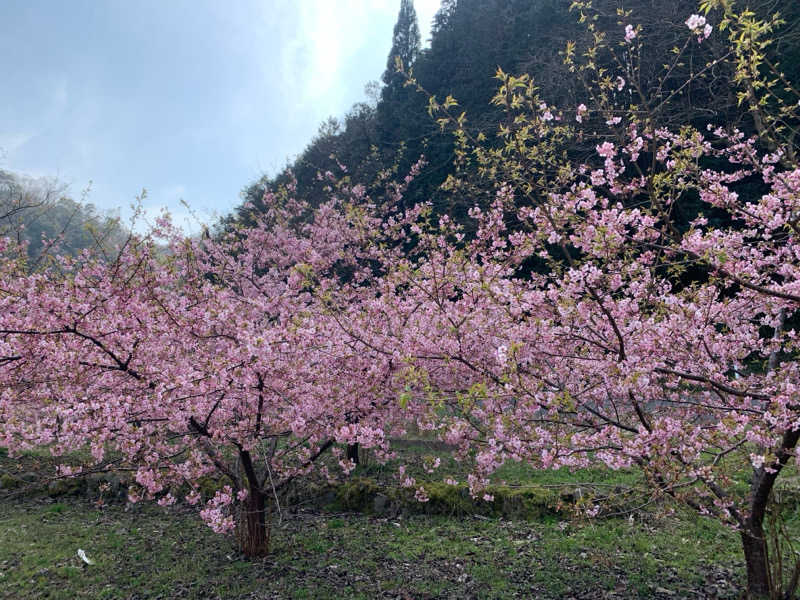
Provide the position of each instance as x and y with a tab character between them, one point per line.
352	453
253	526
756	559
754	543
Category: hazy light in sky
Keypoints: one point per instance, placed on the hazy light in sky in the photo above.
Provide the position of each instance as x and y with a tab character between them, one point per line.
191	100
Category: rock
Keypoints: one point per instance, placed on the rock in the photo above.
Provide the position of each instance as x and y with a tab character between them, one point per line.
30	477
60	487
661	590
109	486
117	487
379	504
94	483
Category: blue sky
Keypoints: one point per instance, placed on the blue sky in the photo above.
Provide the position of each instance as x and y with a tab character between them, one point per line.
189	99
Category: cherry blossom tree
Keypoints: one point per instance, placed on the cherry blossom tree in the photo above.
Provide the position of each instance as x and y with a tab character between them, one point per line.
196	357
582	325
608	358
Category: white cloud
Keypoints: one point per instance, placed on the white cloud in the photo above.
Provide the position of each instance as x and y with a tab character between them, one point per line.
329	34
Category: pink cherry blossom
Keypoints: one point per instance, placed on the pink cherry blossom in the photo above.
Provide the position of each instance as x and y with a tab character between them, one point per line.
695	22
580	112
606	150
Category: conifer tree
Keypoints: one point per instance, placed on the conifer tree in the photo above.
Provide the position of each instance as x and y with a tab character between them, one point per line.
401	110
405	43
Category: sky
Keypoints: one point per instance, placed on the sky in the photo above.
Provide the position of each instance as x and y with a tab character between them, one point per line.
188	99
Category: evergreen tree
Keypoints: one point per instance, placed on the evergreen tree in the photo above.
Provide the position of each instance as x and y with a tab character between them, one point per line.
401	110
405	43
442	16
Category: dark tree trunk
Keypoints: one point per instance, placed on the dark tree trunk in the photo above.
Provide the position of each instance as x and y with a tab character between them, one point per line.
352	453
756	559
253	522
754	543
253	526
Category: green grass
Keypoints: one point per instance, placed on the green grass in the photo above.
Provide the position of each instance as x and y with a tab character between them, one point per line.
412	454
149	552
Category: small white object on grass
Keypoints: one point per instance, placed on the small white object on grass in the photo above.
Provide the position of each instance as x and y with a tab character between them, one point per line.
84	558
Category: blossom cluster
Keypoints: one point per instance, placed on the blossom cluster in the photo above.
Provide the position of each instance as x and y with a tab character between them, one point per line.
698	25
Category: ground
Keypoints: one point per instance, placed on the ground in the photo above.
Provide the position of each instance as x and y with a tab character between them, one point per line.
345	544
146	551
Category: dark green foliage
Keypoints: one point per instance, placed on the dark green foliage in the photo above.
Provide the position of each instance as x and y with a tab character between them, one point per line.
399	111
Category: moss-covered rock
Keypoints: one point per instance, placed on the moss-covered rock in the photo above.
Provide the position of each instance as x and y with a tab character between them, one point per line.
208	486
365	495
66	487
7	482
357	494
509	502
111	487
524	503
445	499
31	478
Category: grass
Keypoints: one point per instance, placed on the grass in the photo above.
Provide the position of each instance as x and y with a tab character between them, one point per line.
149	552
144	551
414	453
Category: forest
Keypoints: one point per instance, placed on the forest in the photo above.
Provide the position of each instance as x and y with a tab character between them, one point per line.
523	326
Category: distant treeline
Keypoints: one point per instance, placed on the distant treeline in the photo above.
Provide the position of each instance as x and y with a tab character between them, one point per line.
38	212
